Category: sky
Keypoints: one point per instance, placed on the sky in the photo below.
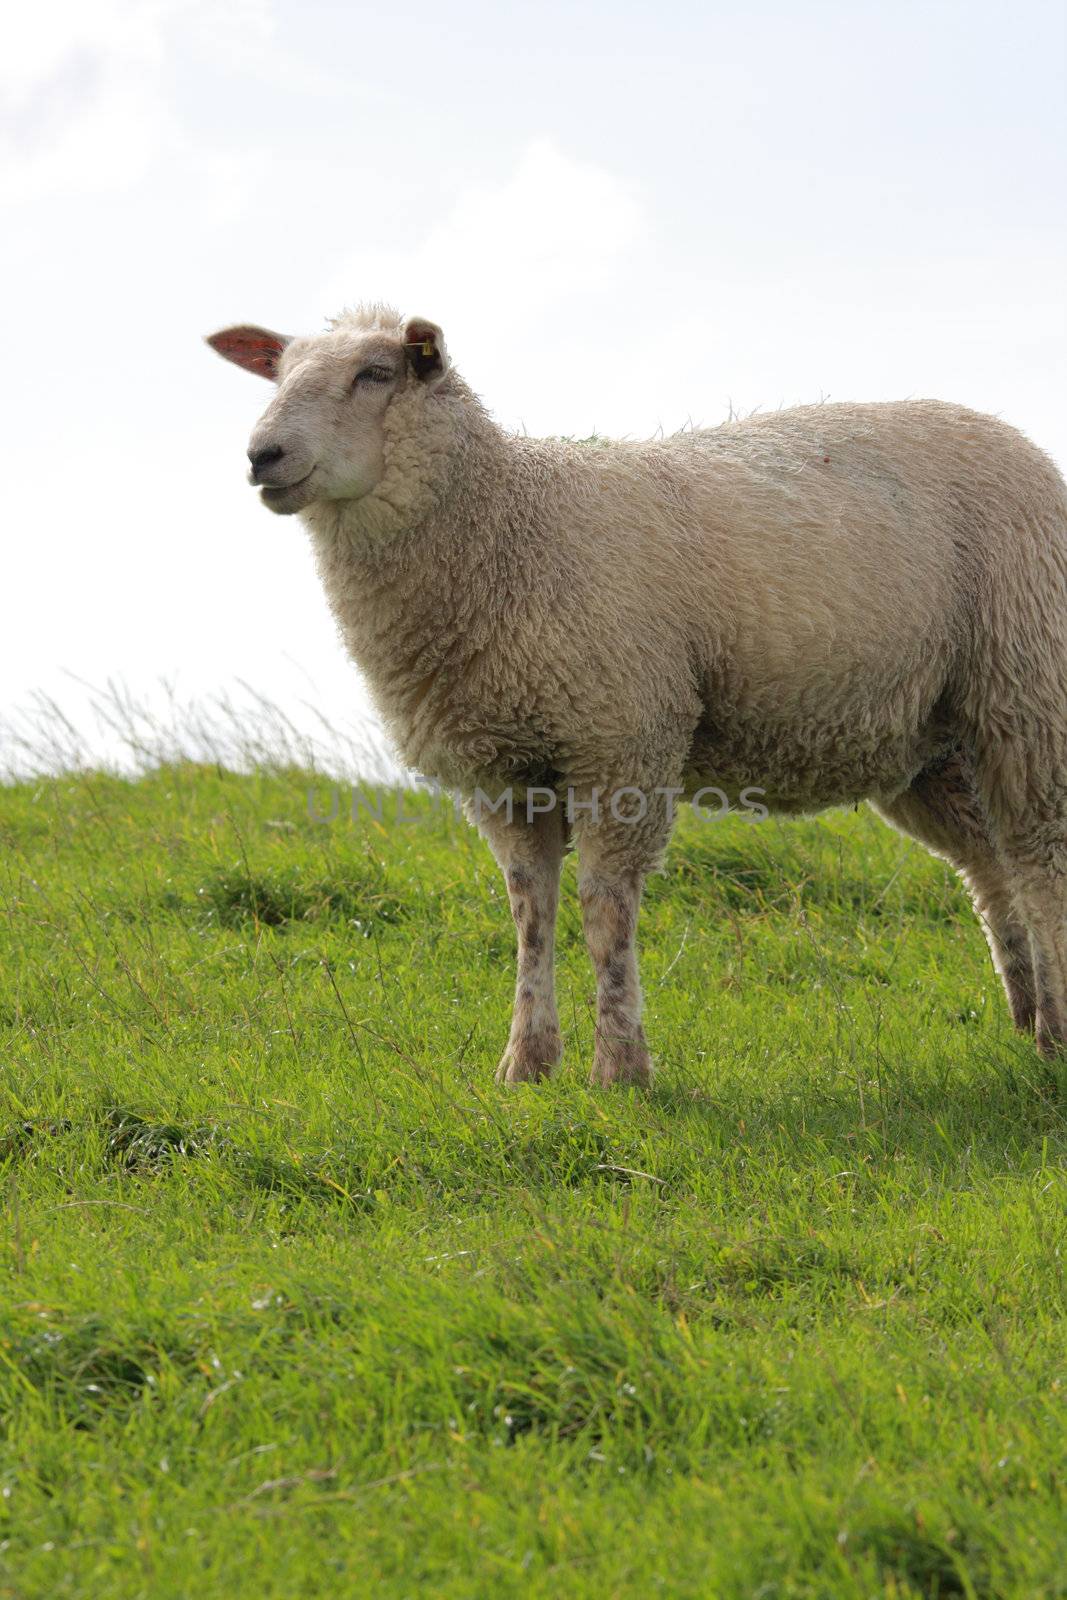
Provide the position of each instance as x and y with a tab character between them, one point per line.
625	218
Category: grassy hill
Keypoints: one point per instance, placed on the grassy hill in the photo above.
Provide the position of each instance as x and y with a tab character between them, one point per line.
294	1301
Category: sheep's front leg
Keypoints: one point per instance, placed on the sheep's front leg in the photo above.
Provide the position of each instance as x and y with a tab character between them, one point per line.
531	853
609	911
621	837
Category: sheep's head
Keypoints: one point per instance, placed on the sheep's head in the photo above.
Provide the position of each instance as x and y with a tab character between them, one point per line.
323	435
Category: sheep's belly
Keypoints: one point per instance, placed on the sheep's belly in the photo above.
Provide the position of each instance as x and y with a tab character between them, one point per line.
806	768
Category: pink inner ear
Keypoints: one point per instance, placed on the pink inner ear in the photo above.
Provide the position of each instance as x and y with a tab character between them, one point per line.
255	349
421	336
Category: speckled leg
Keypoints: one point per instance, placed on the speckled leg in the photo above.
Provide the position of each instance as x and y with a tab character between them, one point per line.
609	911
531	854
615	856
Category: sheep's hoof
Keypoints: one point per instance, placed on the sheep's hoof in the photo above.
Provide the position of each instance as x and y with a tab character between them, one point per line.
622	1061
529	1060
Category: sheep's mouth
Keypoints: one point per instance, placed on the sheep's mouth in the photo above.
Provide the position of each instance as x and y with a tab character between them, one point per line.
287	497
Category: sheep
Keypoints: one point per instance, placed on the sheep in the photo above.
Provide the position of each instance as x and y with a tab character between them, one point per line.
823	605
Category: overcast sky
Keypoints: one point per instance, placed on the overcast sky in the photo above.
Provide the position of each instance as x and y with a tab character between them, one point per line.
625	218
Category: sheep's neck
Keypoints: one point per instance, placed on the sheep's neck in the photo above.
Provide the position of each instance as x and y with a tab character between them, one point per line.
420	583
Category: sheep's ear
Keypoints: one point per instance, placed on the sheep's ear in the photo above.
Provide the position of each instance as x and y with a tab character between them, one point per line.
255	349
425	345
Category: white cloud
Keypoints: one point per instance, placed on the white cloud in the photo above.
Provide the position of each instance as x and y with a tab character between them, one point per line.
553	228
83	107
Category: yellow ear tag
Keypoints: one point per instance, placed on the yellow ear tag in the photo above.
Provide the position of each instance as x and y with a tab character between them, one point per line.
427	347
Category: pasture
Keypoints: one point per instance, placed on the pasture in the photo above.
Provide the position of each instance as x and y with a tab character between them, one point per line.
294	1301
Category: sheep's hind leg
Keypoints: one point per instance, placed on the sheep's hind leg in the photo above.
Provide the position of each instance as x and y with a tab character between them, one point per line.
942	810
531	853
1036	852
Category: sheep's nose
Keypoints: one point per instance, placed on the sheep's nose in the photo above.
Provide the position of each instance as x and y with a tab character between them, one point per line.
265	457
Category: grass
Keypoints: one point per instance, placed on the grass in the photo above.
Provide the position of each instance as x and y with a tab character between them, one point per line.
293	1301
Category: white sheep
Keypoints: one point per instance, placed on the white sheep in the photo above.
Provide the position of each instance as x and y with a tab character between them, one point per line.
824	604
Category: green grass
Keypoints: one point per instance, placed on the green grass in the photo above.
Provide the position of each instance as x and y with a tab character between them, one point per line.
294	1301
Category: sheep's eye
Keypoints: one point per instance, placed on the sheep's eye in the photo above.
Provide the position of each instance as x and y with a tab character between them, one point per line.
373	375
